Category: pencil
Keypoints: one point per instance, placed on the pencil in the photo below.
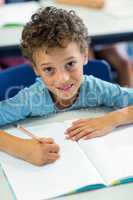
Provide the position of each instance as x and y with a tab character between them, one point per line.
28	133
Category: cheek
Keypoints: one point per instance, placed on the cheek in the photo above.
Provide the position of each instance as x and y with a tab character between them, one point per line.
49	82
78	74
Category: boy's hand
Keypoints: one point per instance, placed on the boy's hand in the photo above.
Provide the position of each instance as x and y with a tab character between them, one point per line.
90	128
39	153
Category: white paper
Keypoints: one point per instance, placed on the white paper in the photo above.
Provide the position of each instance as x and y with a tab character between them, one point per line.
70	172
112	154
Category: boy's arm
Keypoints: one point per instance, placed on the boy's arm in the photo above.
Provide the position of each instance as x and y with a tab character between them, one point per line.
8	143
122	116
90	128
110	95
88	3
38	153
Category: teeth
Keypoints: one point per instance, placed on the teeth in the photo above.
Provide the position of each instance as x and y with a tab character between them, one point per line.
64	88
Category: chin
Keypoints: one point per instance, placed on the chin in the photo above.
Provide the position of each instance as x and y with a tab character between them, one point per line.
67	96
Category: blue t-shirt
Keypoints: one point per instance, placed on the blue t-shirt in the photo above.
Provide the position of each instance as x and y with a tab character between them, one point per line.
37	101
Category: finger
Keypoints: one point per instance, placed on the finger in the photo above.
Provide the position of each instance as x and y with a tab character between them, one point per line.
53	156
98	133
77	131
78	124
94	134
54	148
72	128
72	133
80	135
50	140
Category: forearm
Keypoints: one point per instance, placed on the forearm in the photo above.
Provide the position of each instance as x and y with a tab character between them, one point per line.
30	150
11	144
122	116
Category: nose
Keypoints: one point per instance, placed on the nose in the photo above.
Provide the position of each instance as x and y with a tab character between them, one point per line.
62	76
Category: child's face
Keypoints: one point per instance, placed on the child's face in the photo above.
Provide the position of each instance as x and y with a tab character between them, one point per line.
61	69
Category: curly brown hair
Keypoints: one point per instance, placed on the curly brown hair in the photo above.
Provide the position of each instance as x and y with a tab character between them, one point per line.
52	27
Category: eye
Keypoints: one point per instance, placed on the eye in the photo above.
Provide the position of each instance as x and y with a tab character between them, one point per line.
71	65
49	70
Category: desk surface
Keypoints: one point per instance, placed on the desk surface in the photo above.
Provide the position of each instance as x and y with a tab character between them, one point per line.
102	27
122	192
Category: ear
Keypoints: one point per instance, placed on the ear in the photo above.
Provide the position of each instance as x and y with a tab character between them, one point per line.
86	56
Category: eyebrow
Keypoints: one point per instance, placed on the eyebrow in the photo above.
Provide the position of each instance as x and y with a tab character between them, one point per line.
69	58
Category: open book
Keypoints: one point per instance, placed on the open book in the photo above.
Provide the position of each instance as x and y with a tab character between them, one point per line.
85	165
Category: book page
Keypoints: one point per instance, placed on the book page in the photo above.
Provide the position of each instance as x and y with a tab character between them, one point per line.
112	154
69	173
17	13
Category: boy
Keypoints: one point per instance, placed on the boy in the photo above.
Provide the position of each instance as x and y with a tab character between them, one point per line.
115	54
56	43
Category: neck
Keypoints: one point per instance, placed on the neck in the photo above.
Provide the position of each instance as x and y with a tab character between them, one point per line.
65	103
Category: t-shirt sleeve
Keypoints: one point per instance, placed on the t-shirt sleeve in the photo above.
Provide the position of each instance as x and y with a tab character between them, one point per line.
28	102
15	108
112	95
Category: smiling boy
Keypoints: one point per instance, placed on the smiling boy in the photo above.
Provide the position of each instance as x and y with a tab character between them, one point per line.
56	43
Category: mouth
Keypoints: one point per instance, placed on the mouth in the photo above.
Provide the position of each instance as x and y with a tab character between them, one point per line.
66	87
